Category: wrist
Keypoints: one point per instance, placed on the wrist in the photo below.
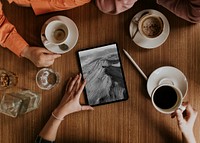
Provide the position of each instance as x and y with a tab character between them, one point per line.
189	137
59	113
57	118
25	52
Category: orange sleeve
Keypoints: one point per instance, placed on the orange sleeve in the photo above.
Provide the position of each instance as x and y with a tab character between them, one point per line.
9	37
45	6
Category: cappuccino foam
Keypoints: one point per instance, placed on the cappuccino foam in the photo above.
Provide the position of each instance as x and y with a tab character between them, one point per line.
152	27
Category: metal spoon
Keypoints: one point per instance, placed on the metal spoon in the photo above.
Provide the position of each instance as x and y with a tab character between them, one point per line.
136	20
64	47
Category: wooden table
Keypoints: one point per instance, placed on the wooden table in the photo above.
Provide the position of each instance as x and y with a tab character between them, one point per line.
133	121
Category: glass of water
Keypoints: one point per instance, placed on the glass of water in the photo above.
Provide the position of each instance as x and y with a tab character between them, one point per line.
46	78
7	79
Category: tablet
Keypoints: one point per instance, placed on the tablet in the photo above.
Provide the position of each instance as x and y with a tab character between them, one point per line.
102	70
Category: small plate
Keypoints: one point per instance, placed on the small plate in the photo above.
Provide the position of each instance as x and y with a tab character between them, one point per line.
171	74
145	42
71	40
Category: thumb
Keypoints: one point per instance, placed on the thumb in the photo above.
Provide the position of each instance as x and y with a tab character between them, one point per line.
86	108
55	56
46	51
51	57
179	117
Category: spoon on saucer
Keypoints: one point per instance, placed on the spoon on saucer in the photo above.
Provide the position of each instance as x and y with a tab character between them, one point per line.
63	47
136	20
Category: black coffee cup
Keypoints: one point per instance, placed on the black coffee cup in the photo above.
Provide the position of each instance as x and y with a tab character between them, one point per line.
167	98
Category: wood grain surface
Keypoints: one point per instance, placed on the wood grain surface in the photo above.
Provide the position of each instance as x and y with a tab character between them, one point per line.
131	121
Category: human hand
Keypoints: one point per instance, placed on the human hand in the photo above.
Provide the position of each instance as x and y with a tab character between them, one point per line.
41	57
186	122
70	101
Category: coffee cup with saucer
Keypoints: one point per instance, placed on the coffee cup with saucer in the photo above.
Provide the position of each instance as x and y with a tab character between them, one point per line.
145	38
167	86
59	34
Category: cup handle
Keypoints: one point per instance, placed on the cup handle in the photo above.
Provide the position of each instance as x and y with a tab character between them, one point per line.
182	108
45	42
166	81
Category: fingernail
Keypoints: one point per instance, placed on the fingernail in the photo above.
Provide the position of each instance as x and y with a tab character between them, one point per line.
91	108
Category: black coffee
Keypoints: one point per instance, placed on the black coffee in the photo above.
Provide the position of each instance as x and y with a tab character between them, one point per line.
165	97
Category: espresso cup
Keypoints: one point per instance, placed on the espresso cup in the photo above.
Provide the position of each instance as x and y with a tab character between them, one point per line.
56	32
150	26
167	98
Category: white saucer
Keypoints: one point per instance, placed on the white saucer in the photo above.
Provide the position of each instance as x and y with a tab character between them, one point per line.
149	43
172	74
72	37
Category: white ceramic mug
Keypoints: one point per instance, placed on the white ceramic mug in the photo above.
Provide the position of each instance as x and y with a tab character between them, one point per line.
150	25
56	32
167	98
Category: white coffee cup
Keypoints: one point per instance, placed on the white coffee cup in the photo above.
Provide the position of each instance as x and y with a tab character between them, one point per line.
56	32
150	25
167	98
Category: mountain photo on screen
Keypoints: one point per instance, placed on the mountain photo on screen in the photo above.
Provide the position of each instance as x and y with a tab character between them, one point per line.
101	67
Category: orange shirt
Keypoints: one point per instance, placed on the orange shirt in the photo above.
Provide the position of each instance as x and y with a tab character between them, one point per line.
45	6
9	37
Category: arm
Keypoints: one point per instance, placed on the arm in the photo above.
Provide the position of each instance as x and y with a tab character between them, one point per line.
14	42
186	9
186	123
69	104
9	37
45	6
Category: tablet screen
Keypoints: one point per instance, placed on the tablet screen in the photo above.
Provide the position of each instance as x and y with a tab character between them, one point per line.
101	67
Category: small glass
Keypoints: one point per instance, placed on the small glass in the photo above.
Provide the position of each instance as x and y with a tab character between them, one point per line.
10	105
16	103
7	79
46	78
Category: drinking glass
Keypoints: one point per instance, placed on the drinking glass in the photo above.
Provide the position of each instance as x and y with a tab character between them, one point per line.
21	102
7	79
46	78
10	105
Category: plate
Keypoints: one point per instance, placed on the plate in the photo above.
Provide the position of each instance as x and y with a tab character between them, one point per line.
145	42
169	74
71	40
